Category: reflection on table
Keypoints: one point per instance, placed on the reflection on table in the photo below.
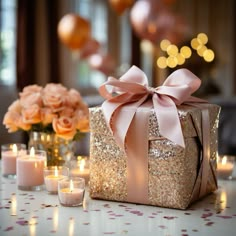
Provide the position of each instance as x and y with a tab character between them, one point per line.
39	213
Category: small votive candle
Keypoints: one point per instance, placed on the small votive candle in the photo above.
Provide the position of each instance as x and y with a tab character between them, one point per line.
52	174
30	170
225	166
81	168
71	191
9	153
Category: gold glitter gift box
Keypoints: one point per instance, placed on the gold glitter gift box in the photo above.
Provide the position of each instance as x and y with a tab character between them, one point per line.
172	169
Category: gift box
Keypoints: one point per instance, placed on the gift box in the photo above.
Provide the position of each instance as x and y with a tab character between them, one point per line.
132	161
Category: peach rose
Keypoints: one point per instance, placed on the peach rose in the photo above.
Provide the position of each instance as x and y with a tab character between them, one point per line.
10	121
13	122
82	121
67	111
31	99
22	125
30	90
15	106
31	115
47	116
64	127
54	101
74	98
55	89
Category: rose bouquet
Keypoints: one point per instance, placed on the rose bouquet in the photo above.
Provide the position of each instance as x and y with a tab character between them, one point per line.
52	109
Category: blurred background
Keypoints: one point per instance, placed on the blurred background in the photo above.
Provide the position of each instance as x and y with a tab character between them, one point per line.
158	36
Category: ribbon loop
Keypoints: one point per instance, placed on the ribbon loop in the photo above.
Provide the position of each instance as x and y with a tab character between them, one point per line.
133	88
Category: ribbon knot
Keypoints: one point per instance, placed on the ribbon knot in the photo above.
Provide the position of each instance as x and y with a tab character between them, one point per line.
132	90
151	90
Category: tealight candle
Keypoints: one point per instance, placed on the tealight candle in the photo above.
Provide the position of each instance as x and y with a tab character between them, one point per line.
52	174
225	166
9	153
71	191
30	170
81	169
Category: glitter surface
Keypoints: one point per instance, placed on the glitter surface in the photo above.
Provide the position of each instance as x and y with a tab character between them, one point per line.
172	169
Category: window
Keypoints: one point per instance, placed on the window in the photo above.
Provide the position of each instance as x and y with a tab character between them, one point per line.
113	32
7	42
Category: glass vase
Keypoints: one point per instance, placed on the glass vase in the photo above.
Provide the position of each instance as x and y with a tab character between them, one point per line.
58	150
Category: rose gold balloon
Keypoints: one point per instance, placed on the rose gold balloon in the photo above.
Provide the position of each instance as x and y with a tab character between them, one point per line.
102	63
90	47
121	5
143	18
74	31
152	21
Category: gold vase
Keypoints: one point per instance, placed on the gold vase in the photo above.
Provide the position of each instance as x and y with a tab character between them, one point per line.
58	150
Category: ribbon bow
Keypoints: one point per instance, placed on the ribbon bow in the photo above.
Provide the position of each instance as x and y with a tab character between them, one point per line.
132	91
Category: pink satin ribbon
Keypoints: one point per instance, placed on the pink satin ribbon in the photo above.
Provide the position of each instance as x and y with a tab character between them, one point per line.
125	98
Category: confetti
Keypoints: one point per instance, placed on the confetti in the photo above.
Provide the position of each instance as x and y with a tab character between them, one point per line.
209	223
170	217
225	217
8	228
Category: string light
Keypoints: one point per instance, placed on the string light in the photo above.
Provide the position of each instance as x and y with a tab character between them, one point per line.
186	52
172	50
178	57
161	62
164	44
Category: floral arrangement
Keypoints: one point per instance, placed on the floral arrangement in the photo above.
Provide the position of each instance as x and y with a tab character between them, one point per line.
52	109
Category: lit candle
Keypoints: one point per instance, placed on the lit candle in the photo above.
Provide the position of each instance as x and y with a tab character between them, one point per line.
82	171
225	167
30	170
71	191
9	154
52	175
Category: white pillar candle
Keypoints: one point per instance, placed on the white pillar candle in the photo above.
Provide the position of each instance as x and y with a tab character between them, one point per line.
9	154
30	169
71	191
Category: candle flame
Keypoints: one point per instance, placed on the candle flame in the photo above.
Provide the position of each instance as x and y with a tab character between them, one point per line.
71	186
14	148
82	164
32	152
224	160
56	172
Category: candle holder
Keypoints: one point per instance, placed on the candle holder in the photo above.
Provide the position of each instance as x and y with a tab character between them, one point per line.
225	166
29	169
71	191
80	168
52	174
9	153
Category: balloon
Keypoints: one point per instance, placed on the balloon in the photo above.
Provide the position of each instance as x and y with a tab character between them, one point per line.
74	31
121	5
152	21
102	63
90	47
143	16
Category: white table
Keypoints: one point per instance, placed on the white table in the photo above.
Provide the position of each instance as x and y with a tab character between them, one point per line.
25	213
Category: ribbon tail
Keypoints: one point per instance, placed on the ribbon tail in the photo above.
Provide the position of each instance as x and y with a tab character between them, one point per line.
137	161
168	119
119	117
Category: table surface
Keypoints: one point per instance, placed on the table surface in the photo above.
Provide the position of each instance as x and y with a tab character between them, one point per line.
33	213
